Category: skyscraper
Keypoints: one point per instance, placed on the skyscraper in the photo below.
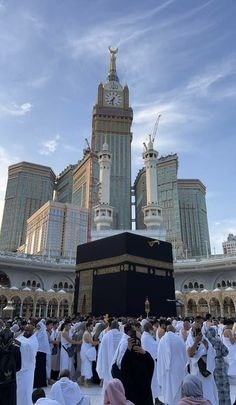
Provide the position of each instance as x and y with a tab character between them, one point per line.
64	184
193	216
29	186
56	229
167	169
112	119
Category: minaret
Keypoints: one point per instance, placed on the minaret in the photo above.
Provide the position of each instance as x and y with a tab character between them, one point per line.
152	211
104	212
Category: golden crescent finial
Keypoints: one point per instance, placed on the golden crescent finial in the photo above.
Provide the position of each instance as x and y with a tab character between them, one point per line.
113	51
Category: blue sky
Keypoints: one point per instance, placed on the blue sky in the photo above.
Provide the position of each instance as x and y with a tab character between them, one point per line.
178	59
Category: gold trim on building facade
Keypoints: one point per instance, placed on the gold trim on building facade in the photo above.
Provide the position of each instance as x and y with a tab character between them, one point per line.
111	261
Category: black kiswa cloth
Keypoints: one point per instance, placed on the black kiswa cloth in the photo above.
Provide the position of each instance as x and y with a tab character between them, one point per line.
137	370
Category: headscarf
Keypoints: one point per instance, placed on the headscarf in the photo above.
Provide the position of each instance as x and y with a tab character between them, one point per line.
115	394
192	393
211	335
6	337
15	328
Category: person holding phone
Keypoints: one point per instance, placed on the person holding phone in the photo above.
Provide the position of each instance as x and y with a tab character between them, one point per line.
137	368
201	360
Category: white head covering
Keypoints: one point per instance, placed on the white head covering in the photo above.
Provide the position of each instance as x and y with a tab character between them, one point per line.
66	392
143	322
15	328
42	337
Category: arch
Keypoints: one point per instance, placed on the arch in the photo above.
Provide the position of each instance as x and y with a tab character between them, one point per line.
214	307
33	283
203	307
63	308
201	286
52	308
223	284
228	307
4	280
28	307
71	286
38	285
191	308
23	284
190	285
17	305
196	285
60	285
41	308
28	283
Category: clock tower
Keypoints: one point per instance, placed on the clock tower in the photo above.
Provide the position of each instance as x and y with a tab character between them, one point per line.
112	119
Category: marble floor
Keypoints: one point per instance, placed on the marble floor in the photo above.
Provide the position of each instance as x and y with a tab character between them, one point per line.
96	397
94	392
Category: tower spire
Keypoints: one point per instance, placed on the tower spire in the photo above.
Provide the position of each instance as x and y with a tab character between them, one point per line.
112	75
152	211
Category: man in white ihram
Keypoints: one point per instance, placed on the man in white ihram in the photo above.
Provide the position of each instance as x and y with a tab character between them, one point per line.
106	353
28	343
172	359
150	345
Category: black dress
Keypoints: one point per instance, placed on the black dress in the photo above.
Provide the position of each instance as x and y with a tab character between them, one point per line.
10	363
137	370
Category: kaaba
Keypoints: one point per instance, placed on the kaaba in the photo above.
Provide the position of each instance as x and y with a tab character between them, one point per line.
115	275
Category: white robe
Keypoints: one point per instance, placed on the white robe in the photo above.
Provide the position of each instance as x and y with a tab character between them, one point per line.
25	377
208	383
121	349
106	353
46	401
231	358
67	392
87	356
150	345
66	362
171	369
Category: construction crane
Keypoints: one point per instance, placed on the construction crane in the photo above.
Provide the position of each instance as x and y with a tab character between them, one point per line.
155	128
88	148
153	135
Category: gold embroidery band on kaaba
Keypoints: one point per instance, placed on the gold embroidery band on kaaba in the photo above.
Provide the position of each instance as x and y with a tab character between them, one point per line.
111	261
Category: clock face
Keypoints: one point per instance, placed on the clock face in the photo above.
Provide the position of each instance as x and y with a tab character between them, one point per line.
113	98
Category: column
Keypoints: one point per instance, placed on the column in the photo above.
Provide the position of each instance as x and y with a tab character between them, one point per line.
21	309
221	310
58	310
34	309
46	315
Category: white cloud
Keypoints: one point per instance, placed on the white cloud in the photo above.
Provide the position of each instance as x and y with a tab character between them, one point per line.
201	84
38	82
50	146
35	22
219	230
15	109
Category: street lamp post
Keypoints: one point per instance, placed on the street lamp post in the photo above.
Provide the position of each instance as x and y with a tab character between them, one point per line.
147	307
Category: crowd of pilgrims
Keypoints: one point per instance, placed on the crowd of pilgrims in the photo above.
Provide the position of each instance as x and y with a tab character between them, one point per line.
169	361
